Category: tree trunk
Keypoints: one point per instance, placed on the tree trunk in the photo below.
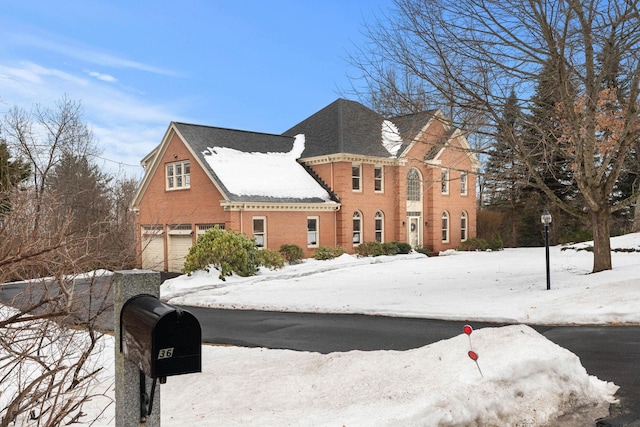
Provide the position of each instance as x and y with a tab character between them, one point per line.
601	240
636	216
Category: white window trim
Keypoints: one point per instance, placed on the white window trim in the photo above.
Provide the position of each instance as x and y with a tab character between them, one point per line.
419	182
317	231
464	229
464	183
186	178
381	179
359	166
447	229
264	231
379	216
357	215
445	181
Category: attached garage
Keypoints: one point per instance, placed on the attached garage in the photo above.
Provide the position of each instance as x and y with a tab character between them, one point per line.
153	248
179	242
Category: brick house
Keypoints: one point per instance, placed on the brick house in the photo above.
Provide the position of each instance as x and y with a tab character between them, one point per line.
343	176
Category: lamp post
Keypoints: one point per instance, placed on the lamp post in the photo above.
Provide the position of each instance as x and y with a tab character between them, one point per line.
546	220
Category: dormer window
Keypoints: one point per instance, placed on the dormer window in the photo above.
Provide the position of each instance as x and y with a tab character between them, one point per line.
178	175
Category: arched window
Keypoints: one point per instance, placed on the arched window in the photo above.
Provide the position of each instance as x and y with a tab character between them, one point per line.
413	185
357	228
445	226
463	226
379	220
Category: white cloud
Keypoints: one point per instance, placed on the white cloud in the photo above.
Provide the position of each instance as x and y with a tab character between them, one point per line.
126	125
104	77
72	49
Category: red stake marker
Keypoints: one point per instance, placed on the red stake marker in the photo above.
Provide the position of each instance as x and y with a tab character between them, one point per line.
472	354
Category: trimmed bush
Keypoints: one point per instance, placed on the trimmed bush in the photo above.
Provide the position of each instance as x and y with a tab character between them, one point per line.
226	250
403	247
482	245
390	248
474	245
293	254
327	252
424	250
271	259
370	249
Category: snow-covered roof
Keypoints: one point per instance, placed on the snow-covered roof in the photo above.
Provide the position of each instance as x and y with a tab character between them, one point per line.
253	166
265	176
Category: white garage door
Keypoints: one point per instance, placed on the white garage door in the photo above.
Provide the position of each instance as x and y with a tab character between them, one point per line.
152	248
180	242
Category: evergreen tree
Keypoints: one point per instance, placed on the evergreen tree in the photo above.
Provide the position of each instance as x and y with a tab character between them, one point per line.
505	175
12	173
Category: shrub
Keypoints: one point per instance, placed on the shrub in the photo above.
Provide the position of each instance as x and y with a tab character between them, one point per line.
271	259
496	243
474	245
370	249
226	250
403	247
327	252
390	248
479	244
424	250
293	254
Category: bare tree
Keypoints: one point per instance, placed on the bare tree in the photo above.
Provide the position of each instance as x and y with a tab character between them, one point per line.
43	135
62	229
470	55
49	337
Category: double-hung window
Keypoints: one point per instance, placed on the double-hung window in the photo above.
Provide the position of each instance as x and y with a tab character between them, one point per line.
379	223
178	175
356	177
463	226
445	181
463	183
445	227
378	179
357	228
260	231
312	231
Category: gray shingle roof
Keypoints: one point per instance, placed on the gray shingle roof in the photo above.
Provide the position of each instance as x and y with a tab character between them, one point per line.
200	138
349	127
342	127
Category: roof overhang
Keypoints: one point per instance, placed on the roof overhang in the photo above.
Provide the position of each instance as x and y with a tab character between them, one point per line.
351	158
279	206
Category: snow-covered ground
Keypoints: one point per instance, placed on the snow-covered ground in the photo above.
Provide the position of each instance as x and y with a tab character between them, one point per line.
506	286
520	379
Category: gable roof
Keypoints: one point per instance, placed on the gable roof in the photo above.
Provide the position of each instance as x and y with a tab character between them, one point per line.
245	166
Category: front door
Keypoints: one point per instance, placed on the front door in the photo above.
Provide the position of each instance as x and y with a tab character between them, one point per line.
414	232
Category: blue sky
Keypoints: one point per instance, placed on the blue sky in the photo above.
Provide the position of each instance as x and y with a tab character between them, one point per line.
137	65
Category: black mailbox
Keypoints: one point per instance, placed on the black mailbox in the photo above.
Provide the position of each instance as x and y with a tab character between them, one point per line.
161	339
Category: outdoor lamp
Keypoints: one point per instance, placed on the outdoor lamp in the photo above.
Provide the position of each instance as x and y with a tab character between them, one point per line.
546	220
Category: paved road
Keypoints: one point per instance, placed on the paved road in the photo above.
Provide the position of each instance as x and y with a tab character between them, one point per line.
611	353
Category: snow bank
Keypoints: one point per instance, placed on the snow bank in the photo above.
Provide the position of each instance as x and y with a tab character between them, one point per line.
528	380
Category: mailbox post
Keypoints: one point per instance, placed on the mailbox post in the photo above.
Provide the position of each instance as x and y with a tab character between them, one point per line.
128	284
153	340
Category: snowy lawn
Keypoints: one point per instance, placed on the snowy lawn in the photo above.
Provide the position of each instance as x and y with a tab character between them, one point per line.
521	379
506	286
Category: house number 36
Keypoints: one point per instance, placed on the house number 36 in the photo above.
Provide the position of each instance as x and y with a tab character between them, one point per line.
165	353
